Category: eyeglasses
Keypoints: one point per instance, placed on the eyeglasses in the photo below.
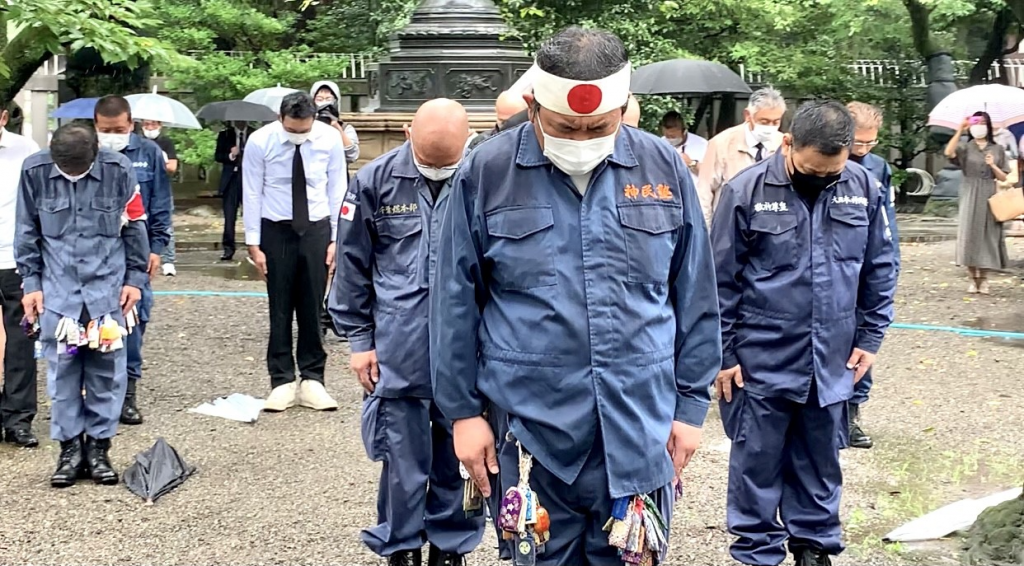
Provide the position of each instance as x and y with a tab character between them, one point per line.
866	144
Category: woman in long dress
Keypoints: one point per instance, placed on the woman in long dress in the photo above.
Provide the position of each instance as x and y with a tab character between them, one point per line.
980	246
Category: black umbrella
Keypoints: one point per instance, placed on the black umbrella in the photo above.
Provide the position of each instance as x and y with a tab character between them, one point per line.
236	111
686	76
157	471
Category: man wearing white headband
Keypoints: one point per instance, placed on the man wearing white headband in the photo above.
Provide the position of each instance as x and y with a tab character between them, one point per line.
571	296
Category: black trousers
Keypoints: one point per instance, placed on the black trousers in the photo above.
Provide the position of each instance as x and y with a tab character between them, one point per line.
232	202
296	282
18	397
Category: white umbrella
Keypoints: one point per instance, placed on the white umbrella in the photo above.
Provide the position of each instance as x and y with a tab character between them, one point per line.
1004	104
270	97
152	106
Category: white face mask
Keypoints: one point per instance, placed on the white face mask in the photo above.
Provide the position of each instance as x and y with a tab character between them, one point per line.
438	173
151	134
73	178
764	133
114	142
676	142
979	132
577	157
298	139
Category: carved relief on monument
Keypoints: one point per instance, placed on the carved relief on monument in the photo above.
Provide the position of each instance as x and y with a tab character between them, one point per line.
474	83
410	84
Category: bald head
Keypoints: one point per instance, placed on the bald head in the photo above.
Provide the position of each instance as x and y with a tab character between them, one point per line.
632	115
507	105
438	132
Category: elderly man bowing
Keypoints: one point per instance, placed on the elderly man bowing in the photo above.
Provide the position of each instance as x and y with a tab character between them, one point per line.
389	240
570	294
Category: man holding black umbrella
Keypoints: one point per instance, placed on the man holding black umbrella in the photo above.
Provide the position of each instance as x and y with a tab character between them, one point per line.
230	147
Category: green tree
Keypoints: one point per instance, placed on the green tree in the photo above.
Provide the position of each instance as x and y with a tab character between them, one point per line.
44	28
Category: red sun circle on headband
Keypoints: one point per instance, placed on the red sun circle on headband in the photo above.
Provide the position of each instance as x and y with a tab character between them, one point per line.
584	99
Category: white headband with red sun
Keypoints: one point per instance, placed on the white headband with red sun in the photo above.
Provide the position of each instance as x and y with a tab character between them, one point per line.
581	98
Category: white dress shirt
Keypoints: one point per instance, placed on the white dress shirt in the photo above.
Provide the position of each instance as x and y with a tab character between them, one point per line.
267	177
13	151
695	147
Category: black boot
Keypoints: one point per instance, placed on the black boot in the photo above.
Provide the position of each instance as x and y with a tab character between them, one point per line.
858	438
70	465
130	414
437	557
96	454
406	558
811	558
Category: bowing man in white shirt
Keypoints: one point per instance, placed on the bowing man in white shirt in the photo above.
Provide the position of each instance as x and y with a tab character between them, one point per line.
293	182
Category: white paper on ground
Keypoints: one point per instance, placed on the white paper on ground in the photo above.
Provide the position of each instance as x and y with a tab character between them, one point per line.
949	519
235	407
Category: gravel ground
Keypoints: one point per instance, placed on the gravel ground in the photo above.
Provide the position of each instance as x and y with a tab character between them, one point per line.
297	487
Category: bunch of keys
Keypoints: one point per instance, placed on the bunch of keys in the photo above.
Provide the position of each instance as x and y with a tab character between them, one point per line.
521	517
472	499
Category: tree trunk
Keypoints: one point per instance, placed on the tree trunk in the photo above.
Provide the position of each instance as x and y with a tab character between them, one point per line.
994	48
23	56
920	28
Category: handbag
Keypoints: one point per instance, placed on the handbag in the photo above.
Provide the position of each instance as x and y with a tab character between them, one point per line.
1007	205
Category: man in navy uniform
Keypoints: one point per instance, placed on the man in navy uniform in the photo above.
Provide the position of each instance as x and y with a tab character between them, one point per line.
806	274
81	247
388	244
571	294
113	118
867	121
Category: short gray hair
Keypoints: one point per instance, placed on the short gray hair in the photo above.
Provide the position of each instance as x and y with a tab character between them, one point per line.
765	98
825	126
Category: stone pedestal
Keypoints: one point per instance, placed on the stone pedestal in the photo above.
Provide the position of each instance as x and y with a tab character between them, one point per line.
450	49
379	133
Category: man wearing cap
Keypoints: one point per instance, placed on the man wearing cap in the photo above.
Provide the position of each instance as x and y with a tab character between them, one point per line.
569	294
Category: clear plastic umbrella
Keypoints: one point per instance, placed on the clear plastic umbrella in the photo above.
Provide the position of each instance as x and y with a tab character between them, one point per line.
1005	104
270	97
153	106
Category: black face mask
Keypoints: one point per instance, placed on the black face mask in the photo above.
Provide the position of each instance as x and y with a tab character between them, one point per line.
812	183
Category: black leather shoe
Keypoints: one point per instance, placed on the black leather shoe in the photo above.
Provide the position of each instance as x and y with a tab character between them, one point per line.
228	255
130	414
812	558
96	454
858	438
437	557
22	437
70	465
406	558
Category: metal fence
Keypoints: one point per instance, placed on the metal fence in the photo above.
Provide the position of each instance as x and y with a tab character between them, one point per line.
891	73
356	68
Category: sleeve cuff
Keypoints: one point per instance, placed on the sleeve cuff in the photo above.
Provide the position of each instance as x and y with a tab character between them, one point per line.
156	248
691	411
867	342
252	238
137	279
729	360
31	284
360	344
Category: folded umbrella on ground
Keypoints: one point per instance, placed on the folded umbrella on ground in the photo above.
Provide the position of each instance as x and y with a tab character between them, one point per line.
157	471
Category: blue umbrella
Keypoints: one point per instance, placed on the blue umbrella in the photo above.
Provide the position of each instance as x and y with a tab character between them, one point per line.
77	109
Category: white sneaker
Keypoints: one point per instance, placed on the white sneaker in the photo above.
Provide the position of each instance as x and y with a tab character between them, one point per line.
169	270
281	398
313	395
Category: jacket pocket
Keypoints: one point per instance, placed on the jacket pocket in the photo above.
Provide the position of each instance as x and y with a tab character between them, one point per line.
849	232
776	245
521	247
399	243
650	232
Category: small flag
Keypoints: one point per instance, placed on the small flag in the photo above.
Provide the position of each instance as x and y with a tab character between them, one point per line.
348	211
134	210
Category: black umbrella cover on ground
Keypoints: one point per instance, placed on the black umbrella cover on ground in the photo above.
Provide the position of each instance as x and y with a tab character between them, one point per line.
157	471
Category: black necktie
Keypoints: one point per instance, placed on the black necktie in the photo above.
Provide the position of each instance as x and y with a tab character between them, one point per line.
760	152
300	205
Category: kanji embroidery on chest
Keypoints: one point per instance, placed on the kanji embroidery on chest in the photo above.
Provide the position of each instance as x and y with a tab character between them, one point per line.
392	209
860	201
771	207
648	191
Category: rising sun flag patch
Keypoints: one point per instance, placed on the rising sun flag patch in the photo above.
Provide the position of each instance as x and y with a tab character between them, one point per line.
134	210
